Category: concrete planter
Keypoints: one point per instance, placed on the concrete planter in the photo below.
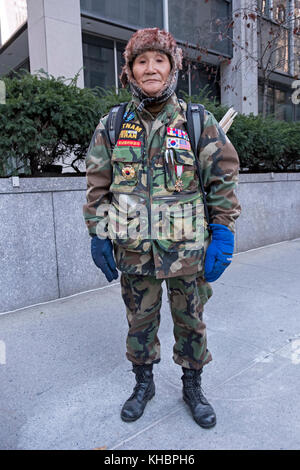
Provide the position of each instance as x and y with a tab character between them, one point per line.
45	247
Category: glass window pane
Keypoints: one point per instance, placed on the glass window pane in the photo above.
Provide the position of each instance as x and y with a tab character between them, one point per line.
137	13
297	52
203	79
183	81
297	112
283	105
98	60
270	99
200	23
120	59
278	102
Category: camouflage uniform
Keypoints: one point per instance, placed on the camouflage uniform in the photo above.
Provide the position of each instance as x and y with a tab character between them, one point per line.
146	259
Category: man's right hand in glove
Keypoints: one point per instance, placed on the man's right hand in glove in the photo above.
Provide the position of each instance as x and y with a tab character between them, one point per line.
102	254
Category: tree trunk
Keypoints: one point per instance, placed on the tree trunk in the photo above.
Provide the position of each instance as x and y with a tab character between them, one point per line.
33	165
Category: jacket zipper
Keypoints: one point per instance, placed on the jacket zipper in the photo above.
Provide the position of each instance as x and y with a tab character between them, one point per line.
149	166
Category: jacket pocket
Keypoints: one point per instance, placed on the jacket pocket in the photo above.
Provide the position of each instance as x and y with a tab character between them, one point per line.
128	222
177	174
127	169
179	223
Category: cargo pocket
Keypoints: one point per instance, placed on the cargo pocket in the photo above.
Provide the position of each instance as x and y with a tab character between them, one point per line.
180	169
189	177
178	224
204	289
128	223
126	163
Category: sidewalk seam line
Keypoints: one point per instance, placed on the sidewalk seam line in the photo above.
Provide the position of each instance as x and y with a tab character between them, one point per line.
147	427
55	246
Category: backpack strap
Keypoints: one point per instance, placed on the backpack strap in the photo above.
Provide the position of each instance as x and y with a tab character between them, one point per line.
195	120
114	122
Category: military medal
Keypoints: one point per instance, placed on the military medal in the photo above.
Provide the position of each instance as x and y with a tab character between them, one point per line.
178	182
128	172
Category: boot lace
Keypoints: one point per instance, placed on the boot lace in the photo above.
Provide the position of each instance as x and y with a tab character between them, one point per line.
195	391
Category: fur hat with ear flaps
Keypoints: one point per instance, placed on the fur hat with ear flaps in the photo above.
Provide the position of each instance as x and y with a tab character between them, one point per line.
151	39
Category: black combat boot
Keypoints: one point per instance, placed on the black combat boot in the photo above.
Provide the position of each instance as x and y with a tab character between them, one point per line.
143	391
202	411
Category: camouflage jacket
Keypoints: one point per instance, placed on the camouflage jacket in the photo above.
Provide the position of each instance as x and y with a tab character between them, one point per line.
145	193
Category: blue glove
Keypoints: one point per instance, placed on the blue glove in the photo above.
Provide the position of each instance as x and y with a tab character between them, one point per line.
102	254
219	252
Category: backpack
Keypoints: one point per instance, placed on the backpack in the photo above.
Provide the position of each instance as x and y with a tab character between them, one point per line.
195	119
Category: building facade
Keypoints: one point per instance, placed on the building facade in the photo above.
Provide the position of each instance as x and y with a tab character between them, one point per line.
219	37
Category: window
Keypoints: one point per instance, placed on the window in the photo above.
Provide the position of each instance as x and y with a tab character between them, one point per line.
98	61
270	100
20	69
203	76
280	13
120	59
297	55
196	78
266	8
281	57
136	13
283	105
201	23
279	103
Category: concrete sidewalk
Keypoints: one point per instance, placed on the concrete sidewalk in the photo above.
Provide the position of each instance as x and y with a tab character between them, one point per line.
64	375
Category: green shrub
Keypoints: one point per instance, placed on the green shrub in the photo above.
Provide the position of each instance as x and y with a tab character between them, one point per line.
44	119
263	144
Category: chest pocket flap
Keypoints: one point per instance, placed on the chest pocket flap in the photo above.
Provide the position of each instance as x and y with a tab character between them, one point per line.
127	165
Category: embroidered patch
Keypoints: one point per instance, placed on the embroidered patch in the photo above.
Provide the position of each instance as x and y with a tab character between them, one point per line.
128	117
131	131
175	143
129	143
177	133
131	126
130	134
184	145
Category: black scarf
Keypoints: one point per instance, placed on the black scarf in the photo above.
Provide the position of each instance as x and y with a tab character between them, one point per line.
147	100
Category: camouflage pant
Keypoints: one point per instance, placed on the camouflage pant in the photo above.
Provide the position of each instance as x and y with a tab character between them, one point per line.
187	295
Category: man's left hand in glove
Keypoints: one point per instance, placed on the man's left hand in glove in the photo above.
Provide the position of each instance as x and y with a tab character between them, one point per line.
219	252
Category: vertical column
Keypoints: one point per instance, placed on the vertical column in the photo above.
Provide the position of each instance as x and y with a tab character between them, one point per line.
239	79
54	37
166	15
116	67
290	20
